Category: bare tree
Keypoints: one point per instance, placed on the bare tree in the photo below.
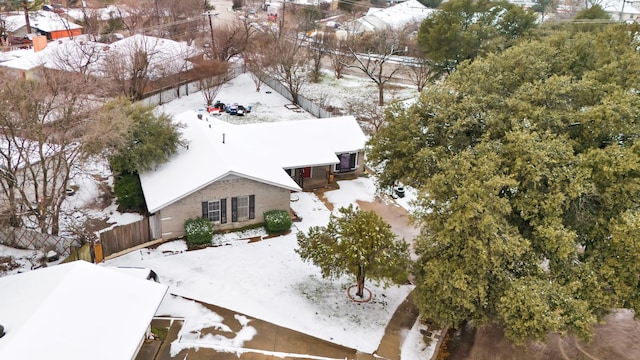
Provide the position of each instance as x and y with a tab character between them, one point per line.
177	10
134	15
289	62
420	71
129	66
93	25
370	116
214	76
44	122
257	61
229	40
339	54
316	49
372	53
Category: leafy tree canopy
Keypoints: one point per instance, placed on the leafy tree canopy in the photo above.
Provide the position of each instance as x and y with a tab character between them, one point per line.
149	140
356	242
433	4
128	191
528	169
592	13
464	29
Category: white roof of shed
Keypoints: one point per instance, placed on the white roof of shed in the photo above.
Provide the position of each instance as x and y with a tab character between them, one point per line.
75	311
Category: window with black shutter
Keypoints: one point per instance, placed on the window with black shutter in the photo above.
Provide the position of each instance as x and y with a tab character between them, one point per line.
243	208
213	210
205	209
234	209
352	161
223	211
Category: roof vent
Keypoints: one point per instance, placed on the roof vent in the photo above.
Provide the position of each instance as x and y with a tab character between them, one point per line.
223	135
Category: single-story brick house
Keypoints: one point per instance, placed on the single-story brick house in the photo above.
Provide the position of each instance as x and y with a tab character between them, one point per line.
232	174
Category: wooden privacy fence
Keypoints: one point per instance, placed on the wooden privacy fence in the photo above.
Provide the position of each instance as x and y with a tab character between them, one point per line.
124	237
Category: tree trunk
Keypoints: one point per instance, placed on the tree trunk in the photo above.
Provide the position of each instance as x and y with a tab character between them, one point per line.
380	93
360	282
26	16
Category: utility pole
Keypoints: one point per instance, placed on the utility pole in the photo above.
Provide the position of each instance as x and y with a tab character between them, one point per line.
284	11
210	14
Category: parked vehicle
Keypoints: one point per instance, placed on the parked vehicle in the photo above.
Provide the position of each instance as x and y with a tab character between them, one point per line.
241	110
232	109
216	109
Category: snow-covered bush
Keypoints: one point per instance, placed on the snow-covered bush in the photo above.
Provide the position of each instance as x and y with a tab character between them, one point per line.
199	231
277	221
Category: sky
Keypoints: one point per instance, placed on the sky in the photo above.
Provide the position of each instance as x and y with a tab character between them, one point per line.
266	279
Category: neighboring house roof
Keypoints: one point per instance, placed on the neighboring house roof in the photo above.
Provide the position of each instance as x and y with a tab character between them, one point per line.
613	8
71	54
21	152
75	311
259	151
46	21
30	59
395	16
165	55
105	13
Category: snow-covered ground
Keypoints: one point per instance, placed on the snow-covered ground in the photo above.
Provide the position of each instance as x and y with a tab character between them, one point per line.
265	279
269	281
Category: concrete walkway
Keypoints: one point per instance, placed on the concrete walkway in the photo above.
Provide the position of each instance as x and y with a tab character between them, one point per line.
275	342
403	319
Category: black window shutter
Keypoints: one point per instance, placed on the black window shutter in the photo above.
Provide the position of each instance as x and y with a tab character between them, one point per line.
252	206
205	209
352	161
223	211
338	164
234	209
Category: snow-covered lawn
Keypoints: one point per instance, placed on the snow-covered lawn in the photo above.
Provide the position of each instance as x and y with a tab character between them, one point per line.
269	281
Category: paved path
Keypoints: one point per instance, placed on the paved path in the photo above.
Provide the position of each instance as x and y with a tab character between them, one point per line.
270	342
403	319
274	342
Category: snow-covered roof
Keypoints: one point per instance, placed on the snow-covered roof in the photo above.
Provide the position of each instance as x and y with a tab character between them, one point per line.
259	151
70	311
30	59
165	56
615	6
395	16
104	14
46	21
21	152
